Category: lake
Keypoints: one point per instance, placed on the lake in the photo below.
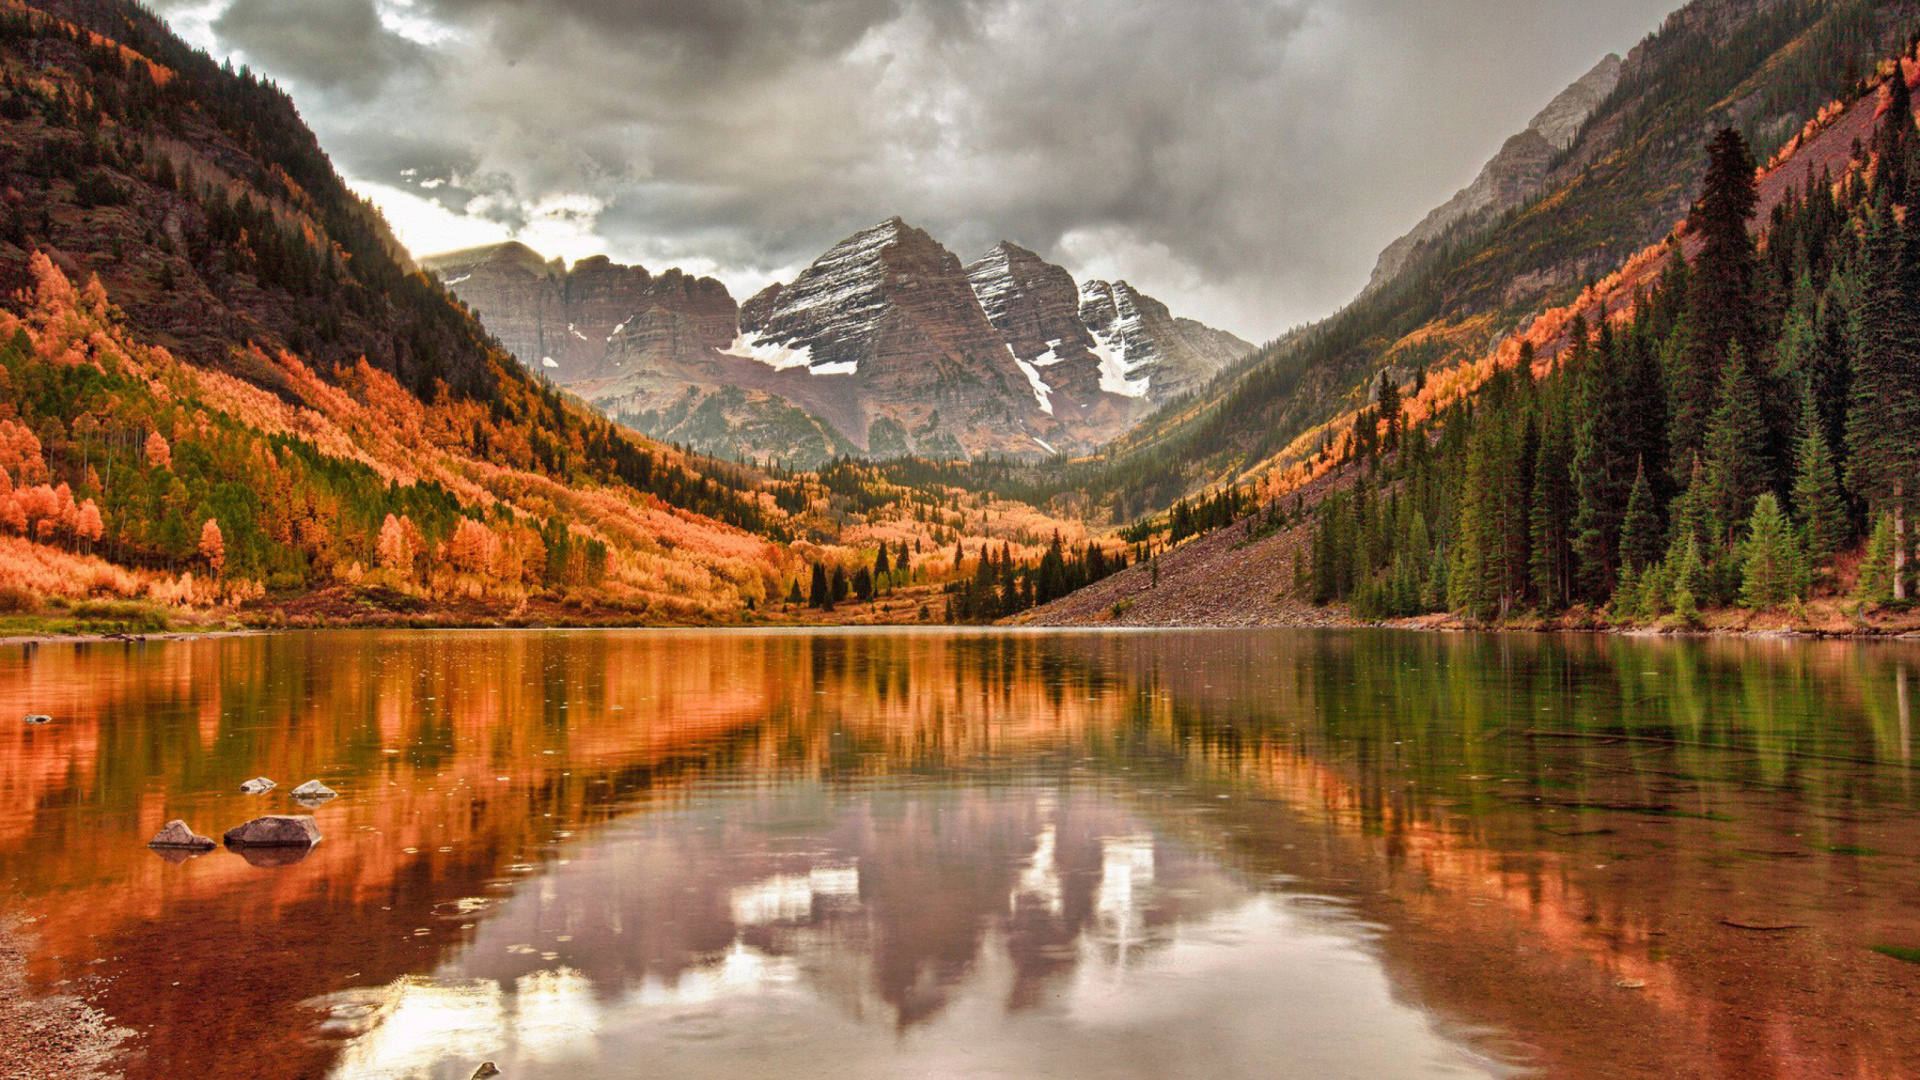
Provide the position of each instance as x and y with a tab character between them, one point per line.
974	854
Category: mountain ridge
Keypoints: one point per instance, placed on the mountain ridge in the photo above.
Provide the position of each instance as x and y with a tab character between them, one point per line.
887	344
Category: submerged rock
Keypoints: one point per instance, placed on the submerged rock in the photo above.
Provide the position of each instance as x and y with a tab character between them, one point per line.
178	836
39	718
259	785
314	791
275	830
485	1071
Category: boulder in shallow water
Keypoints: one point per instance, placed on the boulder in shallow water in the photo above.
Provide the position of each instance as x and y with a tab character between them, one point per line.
39	718
485	1071
259	785
314	791
178	836
275	830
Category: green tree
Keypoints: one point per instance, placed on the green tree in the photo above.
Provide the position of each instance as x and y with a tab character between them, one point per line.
1603	469
1773	568
1720	308
1640	540
1736	448
1875	585
1816	490
1883	425
1391	415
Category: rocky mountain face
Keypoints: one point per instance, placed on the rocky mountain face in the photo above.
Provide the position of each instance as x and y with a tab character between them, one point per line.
1144	351
886	345
1515	174
587	323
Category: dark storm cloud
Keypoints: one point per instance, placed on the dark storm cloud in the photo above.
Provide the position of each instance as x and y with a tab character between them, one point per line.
326	45
1245	160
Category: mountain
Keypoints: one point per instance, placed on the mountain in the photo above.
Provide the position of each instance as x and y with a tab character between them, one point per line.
1766	67
885	345
1624	460
1514	175
1144	349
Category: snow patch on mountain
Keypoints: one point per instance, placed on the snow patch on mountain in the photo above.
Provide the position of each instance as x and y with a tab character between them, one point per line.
776	355
1042	393
1111	351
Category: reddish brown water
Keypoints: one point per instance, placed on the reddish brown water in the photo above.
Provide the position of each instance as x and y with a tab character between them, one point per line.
1226	854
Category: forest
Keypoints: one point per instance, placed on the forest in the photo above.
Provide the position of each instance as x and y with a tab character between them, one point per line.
1745	433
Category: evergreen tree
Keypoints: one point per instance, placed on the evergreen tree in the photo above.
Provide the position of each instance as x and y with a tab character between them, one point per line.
1875	584
1390	412
1553	508
1816	490
1603	470
817	594
1883	425
1644	386
1720	308
1640	541
1736	463
1773	569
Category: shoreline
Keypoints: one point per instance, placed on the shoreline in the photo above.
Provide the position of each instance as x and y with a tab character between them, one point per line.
49	1035
1424	625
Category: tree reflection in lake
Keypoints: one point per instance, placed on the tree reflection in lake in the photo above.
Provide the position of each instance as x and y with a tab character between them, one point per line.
886	854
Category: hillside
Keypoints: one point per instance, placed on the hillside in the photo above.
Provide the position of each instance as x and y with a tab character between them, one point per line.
1724	432
227	395
1764	67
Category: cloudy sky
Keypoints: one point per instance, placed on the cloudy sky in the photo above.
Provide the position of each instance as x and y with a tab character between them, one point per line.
1243	160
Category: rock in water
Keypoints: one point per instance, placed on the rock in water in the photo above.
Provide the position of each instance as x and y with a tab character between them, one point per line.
179	837
315	791
259	785
485	1071
275	830
39	718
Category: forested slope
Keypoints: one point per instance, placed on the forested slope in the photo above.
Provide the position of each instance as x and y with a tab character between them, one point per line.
1762	67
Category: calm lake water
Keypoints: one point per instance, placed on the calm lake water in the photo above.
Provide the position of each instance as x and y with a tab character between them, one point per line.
922	854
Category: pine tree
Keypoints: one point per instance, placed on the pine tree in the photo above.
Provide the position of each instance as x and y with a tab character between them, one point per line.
1735	451
1773	569
1689	580
1553	507
1816	490
1603	469
1720	308
1875	585
1390	412
1640	541
1883	425
817	595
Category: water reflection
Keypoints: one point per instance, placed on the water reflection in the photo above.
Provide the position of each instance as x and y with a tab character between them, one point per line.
931	854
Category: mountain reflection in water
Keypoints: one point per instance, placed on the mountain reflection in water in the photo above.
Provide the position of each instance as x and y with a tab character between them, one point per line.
888	854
